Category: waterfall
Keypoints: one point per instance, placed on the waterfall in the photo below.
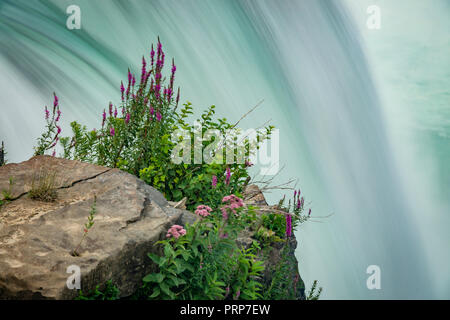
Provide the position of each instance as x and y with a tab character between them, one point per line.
304	58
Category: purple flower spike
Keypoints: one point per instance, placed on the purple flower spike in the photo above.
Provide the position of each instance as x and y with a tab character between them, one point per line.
158	116
122	89
47	113
127	118
174	68
288	225
152	55
104	118
214	181
228	175
115	112
55	101
144	70
112	132
58	112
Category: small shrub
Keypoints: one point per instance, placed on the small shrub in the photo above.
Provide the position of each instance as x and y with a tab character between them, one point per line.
314	293
203	261
88	225
110	292
43	186
7	194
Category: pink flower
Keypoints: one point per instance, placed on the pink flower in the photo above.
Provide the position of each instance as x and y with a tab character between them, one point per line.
203	211
55	101
104	117
224	213
234	203
127	118
238	293
175	231
115	112
58	115
144	70
224	236
54	153
158	116
228	175
152	55
112	132
47	113
122	89
214	181
288	225
248	163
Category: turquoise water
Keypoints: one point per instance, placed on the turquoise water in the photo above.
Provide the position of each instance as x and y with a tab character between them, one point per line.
364	116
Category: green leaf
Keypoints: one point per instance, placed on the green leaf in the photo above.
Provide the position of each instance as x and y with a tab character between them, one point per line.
156	292
156	259
165	288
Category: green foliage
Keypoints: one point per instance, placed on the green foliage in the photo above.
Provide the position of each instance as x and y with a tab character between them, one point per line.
144	139
194	179
88	225
43	186
148	136
50	137
282	287
206	263
314	293
110	292
276	223
7	194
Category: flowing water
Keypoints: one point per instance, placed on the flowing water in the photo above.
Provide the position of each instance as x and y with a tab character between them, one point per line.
327	83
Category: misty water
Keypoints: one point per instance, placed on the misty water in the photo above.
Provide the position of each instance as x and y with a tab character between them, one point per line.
364	115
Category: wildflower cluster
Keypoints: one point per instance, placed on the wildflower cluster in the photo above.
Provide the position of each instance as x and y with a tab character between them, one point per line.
203	211
204	261
50	138
176	231
232	203
137	136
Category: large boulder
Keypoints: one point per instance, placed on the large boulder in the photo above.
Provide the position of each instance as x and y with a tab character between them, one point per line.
37	238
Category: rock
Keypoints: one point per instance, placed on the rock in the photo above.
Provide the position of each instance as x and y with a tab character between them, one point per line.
273	257
254	196
37	238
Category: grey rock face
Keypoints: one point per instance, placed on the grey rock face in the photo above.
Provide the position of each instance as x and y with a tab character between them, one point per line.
37	238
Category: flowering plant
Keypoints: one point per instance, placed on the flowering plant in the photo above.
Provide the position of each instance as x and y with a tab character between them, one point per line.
203	261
